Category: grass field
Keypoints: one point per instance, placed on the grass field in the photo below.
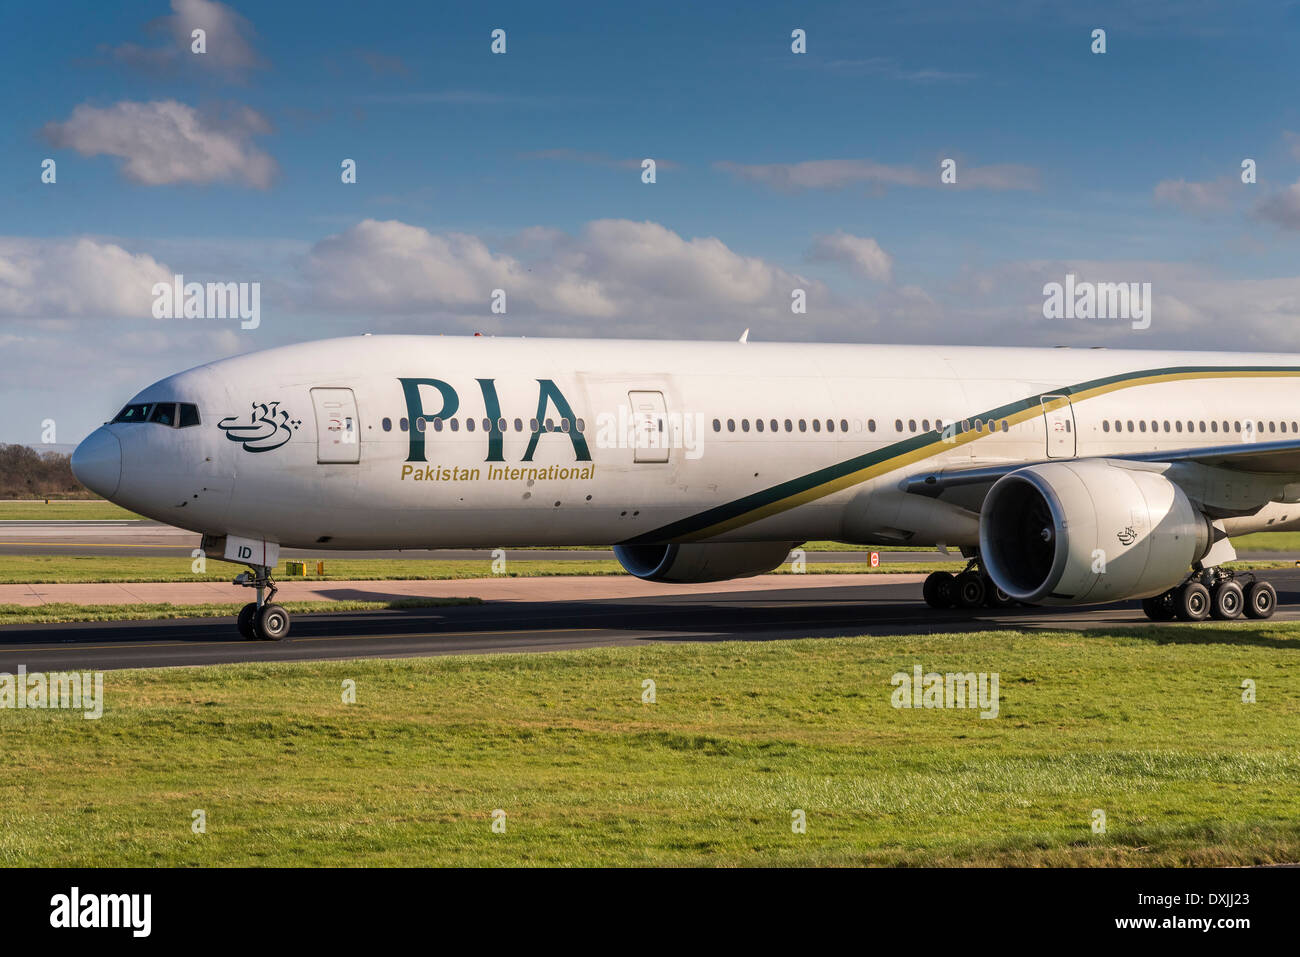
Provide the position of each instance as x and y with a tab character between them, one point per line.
1147	725
65	510
65	612
100	568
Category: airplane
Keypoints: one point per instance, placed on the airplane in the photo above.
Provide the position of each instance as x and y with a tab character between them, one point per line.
1064	476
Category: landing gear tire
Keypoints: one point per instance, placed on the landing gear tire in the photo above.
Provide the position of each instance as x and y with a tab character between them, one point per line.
970	589
940	590
995	597
1226	601
1192	602
1261	600
1160	607
273	623
247	618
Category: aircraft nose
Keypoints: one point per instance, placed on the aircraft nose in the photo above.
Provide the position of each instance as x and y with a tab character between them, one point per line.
97	462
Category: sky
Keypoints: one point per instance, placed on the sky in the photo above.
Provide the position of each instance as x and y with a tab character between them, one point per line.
522	170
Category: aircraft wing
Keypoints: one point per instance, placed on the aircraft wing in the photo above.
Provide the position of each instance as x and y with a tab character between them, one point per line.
1274	465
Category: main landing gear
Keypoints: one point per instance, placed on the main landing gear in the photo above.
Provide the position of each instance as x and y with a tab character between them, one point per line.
262	620
970	589
1213	593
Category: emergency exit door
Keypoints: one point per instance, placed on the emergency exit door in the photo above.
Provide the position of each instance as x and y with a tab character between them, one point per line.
649	426
338	432
1058	415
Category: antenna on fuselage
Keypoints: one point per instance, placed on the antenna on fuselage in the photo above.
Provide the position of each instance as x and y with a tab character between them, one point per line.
744	336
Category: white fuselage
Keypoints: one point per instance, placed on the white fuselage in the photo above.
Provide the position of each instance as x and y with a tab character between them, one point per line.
317	445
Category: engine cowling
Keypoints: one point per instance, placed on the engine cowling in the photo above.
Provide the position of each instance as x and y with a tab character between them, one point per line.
702	562
1090	531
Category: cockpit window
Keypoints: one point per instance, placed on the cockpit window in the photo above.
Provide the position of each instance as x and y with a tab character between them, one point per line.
176	415
133	413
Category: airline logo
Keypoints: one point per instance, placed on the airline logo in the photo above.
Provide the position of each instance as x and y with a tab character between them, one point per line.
430	399
268	427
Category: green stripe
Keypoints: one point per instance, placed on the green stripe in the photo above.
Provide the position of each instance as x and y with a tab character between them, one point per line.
700	521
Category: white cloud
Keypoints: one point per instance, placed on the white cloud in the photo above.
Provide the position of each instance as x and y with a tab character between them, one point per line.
838	174
75	278
596	159
1196	197
164	141
860	252
614	269
228	41
1281	208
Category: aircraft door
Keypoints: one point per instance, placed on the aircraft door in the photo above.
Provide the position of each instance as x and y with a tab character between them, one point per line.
338	431
1058	416
650	424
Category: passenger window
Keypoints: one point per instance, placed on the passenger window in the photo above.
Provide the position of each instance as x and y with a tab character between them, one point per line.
911	425
776	426
803	425
387	425
789	426
454	424
717	425
817	425
758	424
519	425
437	423
925	425
871	425
731	425
533	425
1178	425
564	425
1142	425
830	425
898	425
744	425
844	425
1214	426
1105	425
402	424
469	425
419	424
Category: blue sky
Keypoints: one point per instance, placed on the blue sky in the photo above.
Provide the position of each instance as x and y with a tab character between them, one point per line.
479	170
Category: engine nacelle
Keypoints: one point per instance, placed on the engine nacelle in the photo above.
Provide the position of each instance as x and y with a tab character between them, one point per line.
703	562
1090	531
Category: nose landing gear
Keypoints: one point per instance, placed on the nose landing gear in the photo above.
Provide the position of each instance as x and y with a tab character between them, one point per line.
262	620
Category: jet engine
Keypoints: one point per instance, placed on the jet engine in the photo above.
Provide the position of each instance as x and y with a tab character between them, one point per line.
1089	531
702	562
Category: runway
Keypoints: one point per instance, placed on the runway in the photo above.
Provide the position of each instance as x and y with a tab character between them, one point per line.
757	614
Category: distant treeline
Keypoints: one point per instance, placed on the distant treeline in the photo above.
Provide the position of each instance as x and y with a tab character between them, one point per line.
26	473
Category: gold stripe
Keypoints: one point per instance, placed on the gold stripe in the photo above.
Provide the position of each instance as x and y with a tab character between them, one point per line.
927	451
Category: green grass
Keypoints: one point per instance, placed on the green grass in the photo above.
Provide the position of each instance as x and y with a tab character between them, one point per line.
22	569
67	611
1268	542
64	510
1147	725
